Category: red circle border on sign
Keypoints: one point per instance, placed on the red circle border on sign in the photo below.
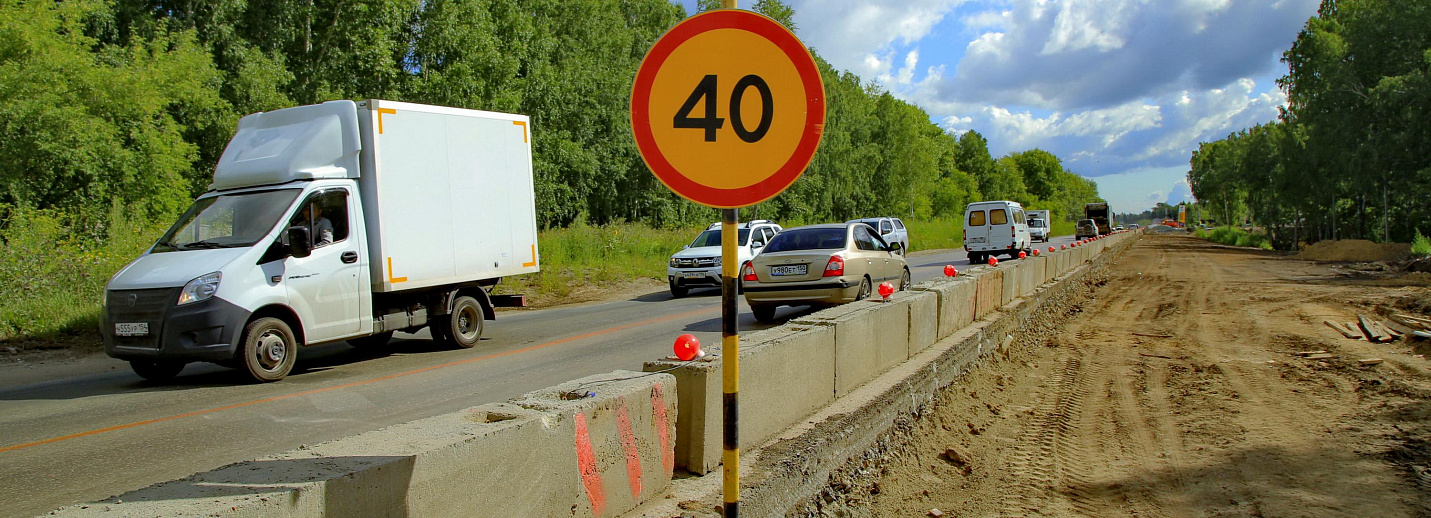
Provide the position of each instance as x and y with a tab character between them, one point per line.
814	108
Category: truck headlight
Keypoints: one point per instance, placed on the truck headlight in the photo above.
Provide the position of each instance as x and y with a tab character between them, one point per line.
200	289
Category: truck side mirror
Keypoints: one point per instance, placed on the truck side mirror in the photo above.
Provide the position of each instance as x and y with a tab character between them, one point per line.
300	242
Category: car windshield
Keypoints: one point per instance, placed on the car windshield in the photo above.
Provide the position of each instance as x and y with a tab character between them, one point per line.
227	221
712	238
807	239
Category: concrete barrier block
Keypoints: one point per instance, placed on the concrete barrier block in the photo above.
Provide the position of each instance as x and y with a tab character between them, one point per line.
923	319
990	294
957	298
870	337
1050	266
504	459
782	369
1033	275
1011	281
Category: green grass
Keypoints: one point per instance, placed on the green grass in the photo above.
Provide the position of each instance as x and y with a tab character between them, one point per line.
1235	237
597	255
53	277
935	234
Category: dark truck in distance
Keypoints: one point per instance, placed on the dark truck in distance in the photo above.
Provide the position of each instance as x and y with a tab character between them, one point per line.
1098	212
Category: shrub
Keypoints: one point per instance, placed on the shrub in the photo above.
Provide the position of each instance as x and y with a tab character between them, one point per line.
1420	246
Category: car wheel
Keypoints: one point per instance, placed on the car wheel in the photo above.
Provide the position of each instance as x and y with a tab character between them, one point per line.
864	292
371	341
678	291
464	325
156	370
765	314
269	349
904	280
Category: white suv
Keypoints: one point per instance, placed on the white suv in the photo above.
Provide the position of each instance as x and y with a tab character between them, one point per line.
891	230
699	263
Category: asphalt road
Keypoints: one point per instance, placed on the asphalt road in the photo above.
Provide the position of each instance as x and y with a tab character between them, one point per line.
89	437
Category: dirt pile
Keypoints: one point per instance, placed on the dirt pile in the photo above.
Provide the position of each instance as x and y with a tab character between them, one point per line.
1355	250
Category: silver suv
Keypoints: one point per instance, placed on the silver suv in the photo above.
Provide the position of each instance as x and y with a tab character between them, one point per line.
891	230
699	263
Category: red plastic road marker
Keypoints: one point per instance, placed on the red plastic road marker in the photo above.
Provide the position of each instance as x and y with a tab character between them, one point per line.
950	270
1023	255
688	348
1050	249
1035	252
993	261
885	290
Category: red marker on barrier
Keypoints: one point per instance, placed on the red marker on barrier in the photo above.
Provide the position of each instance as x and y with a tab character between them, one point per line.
1061	247
993	261
885	290
1023	255
688	348
950	270
1035	252
1050	249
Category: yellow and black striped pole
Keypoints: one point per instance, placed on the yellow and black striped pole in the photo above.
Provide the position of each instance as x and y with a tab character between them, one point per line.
730	362
730	356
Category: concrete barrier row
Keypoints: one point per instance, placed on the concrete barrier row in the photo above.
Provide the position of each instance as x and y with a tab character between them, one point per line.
553	452
791	371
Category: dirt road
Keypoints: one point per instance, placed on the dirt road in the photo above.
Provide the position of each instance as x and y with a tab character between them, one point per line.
1176	393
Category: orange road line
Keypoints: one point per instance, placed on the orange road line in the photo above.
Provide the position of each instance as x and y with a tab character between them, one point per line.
560	341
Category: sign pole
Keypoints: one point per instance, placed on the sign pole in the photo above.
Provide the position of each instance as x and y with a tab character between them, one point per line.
730	363
730	357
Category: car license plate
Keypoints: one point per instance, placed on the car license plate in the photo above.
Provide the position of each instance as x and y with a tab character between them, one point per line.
798	269
976	240
692	275
131	329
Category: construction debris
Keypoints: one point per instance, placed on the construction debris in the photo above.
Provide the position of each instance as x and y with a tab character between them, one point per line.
1321	356
1305	354
1152	335
1348	332
1369	362
1375	331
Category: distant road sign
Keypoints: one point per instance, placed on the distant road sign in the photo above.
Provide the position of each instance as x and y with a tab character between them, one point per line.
728	108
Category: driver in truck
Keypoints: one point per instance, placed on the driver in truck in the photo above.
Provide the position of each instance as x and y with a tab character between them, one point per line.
322	228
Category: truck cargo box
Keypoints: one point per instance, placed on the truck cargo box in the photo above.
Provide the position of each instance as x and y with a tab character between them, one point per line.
448	195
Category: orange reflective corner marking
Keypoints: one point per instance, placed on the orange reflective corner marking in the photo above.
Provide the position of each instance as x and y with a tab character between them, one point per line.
381	111
534	258
523	124
390	273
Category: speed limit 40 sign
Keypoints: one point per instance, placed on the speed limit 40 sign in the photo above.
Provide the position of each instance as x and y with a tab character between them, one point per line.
728	108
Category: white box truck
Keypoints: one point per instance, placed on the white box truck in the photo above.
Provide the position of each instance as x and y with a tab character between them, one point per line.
1040	224
337	221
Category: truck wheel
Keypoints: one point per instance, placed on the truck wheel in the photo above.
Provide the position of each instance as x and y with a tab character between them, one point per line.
269	349
764	314
156	370
371	341
464	326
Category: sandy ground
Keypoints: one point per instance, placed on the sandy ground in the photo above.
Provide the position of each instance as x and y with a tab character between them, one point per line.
1176	393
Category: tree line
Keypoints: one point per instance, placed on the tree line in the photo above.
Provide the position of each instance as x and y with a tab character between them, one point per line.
1350	155
129	103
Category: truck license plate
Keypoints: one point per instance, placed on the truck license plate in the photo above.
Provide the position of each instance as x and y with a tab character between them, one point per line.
131	329
799	269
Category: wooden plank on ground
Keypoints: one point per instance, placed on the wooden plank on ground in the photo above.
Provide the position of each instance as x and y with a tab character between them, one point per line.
1369	362
1373	332
1411	322
1323	356
1354	328
1305	354
1344	331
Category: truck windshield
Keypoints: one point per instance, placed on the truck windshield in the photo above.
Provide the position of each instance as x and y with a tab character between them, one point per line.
1036	223
712	238
227	221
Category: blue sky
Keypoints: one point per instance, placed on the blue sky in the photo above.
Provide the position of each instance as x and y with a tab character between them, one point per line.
1121	90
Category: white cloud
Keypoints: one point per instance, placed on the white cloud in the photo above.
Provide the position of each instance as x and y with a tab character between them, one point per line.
849	32
1082	24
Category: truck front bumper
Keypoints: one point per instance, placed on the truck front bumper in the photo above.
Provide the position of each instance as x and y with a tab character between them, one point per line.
202	331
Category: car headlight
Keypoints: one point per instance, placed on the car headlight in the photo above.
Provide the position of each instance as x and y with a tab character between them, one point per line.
673	262
200	289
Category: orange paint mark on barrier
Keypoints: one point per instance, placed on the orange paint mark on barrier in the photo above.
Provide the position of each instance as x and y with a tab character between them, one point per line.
207	411
658	403
381	111
628	443
523	124
390	273
534	258
586	461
